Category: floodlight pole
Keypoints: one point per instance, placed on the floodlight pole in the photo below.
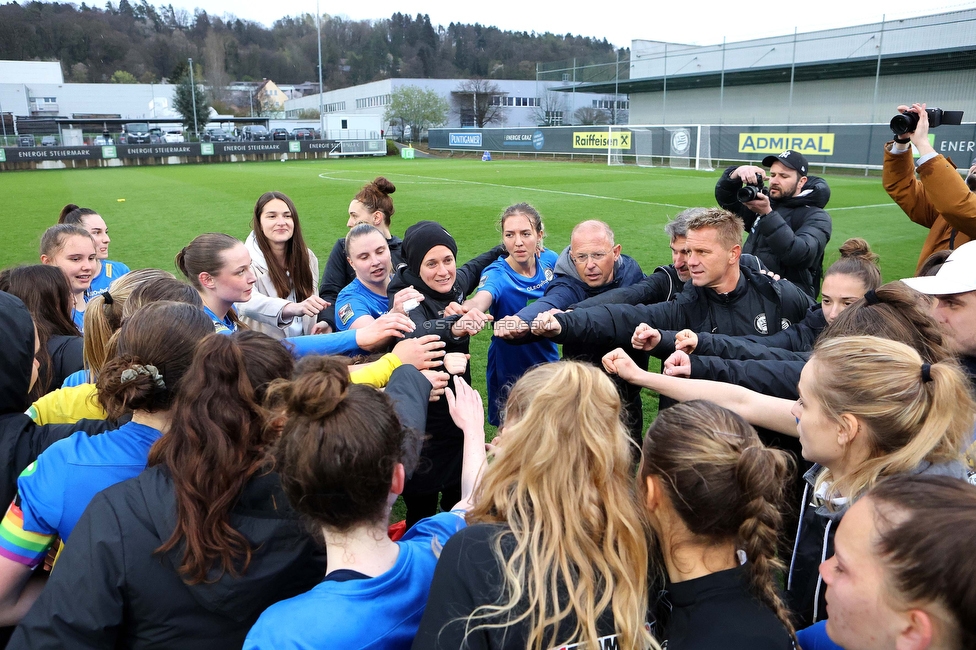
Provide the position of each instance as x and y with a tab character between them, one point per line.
318	25
193	94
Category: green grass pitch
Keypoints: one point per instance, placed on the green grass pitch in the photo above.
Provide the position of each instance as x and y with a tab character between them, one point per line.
153	211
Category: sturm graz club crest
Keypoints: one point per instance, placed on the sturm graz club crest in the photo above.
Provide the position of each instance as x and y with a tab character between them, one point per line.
762	328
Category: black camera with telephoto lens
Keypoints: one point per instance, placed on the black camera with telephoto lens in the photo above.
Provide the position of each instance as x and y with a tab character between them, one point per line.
751	191
907	122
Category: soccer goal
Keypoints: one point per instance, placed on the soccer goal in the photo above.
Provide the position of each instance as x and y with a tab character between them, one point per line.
678	146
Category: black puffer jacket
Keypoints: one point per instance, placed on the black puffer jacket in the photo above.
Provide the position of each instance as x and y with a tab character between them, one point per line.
134	598
758	305
21	440
67	357
791	239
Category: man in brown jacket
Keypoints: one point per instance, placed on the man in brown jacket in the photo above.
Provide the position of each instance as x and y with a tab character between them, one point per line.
939	198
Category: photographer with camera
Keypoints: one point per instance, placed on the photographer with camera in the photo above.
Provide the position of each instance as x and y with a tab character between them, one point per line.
938	198
788	226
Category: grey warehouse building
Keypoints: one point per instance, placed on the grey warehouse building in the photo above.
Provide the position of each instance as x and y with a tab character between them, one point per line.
849	75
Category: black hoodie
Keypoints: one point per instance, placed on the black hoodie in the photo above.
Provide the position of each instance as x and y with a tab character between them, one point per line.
21	440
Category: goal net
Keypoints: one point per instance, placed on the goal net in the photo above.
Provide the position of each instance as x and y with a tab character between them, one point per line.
678	146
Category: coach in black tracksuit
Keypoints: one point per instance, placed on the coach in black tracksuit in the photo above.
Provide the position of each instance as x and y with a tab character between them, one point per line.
789	229
756	305
723	297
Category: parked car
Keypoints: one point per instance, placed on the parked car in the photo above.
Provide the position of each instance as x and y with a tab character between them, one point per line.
173	137
26	141
49	141
135	133
217	135
102	140
156	135
302	134
255	133
279	134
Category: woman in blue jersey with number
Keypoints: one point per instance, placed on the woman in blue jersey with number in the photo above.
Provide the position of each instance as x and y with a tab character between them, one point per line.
108	271
365	298
508	285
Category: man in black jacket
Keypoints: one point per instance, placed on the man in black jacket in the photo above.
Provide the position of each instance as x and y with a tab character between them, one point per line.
788	229
724	297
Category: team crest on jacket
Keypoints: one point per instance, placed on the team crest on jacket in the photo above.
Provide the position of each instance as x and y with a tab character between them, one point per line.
762	328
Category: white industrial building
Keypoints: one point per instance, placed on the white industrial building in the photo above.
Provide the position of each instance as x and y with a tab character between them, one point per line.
37	89
524	103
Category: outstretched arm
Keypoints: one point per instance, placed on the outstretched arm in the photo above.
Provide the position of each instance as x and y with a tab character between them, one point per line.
758	409
468	413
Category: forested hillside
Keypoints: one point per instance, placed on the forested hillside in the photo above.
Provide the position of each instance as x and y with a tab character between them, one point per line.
150	43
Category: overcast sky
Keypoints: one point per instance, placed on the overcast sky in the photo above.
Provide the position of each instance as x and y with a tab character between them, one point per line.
699	22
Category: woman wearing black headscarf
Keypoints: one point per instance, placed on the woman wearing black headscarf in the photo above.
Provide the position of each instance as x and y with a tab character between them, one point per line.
429	253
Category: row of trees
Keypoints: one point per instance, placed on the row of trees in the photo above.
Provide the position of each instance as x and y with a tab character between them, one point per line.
136	40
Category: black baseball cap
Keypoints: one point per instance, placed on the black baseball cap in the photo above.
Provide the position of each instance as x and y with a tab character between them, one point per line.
792	159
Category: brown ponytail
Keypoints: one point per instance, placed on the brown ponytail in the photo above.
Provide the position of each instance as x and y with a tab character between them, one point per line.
725	485
857	260
154	350
204	255
339	447
375	196
217	442
896	313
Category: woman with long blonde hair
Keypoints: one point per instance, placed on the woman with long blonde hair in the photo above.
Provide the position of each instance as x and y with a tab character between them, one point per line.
869	408
555	553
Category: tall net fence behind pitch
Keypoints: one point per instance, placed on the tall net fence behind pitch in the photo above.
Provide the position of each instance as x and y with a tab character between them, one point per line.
618	138
679	147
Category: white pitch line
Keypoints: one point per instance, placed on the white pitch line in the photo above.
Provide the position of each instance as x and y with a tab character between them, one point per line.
863	207
328	176
534	189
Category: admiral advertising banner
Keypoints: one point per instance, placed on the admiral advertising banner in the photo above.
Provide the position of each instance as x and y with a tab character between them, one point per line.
846	144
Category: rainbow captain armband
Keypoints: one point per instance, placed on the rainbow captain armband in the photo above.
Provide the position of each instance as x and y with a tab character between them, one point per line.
19	545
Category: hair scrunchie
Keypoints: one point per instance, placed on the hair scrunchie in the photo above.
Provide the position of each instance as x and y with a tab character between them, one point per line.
107	297
871	297
150	371
926	373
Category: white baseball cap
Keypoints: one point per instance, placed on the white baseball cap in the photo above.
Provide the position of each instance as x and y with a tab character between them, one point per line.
957	275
